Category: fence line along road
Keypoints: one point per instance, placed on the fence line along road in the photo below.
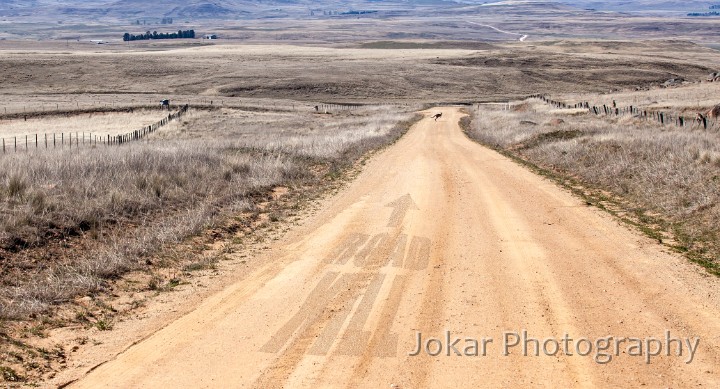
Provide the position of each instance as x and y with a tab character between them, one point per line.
78	139
67	140
664	118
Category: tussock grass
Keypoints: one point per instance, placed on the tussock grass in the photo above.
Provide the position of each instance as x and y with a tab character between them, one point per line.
697	97
128	201
669	177
97	123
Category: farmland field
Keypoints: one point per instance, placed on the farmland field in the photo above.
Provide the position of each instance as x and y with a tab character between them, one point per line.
98	123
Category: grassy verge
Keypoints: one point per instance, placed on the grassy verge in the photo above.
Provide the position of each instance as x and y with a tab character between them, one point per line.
73	220
155	249
661	181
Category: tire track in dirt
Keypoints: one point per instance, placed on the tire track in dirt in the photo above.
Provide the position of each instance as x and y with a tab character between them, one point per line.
437	234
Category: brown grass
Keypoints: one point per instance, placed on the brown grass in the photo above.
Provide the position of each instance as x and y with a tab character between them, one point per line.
233	71
664	179
125	202
97	123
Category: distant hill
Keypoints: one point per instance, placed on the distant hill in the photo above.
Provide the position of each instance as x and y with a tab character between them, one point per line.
643	5
200	9
194	9
235	9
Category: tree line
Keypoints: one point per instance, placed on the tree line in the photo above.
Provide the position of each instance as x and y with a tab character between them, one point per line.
711	13
155	35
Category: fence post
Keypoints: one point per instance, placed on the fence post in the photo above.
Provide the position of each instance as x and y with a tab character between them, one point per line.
16	144
3	145
36	141
46	145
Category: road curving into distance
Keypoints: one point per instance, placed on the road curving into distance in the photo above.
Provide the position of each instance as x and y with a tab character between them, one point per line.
440	237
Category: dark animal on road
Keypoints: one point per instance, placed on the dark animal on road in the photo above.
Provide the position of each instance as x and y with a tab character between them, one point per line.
437	116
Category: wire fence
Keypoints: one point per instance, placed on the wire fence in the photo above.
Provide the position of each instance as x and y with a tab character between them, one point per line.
77	139
22	109
699	121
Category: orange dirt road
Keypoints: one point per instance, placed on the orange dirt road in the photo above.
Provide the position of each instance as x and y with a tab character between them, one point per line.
441	234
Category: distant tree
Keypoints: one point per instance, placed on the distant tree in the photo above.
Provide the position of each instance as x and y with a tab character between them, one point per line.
188	34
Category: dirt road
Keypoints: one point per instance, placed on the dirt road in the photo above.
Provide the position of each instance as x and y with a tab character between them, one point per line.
522	38
441	234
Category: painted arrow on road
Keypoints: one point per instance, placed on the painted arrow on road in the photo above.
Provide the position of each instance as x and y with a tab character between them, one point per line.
401	206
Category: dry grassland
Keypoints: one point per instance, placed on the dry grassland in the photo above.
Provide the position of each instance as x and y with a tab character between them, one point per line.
692	98
96	123
398	21
313	74
662	178
73	222
75	218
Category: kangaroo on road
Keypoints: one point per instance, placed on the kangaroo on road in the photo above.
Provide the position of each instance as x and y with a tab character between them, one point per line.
437	116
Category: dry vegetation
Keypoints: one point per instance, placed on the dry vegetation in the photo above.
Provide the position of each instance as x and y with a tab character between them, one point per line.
688	99
81	222
292	21
665	179
127	201
96	123
88	235
495	73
